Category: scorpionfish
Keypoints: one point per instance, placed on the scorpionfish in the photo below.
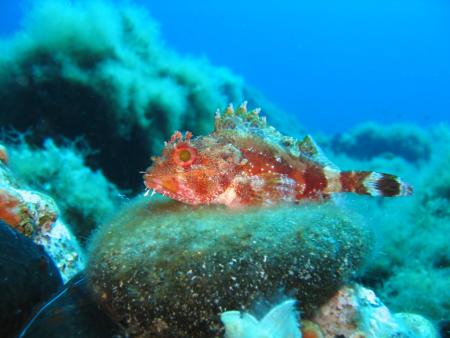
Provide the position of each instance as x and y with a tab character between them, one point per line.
245	162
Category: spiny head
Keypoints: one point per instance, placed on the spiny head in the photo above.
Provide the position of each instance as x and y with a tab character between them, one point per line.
193	170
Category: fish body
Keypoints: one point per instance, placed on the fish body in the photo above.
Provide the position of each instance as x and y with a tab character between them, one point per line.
244	161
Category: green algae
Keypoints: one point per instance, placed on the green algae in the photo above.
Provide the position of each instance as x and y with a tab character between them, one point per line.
168	270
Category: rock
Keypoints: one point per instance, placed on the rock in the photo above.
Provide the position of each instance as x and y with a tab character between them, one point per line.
356	312
36	216
28	277
416	325
444	328
71	313
62	246
310	329
168	270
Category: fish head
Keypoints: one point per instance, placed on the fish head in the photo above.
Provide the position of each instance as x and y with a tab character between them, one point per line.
193	171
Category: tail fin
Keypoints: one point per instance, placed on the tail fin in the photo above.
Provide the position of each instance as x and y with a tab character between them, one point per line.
374	184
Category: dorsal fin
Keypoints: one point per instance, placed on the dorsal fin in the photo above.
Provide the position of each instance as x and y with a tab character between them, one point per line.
231	118
309	149
249	122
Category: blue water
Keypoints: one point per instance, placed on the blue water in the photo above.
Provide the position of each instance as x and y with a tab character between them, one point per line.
332	63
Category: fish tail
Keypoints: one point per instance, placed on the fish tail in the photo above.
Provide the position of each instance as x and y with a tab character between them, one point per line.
374	184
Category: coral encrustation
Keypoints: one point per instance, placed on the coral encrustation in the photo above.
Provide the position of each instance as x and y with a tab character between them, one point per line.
36	216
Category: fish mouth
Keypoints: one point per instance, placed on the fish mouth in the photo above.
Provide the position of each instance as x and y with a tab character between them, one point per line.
171	186
167	186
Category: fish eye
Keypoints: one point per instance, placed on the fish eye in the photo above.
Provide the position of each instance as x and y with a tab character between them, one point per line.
184	155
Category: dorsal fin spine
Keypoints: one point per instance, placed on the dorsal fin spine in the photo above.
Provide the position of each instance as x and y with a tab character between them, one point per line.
310	150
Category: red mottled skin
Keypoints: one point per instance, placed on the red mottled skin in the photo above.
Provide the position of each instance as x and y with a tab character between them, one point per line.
244	162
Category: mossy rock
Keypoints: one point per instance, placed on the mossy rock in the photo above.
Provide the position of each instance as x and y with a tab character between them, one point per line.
165	269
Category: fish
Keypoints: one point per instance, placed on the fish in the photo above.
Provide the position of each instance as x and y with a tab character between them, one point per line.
282	321
246	162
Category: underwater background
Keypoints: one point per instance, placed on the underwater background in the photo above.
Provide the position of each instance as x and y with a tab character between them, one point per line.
385	61
90	90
